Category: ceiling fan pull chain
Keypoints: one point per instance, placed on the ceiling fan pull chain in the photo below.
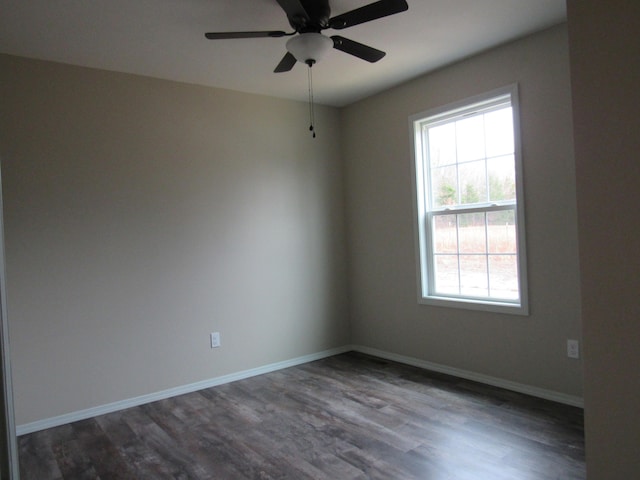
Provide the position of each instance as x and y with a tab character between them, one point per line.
311	106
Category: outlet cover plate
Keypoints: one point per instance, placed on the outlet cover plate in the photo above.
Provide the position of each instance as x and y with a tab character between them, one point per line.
573	349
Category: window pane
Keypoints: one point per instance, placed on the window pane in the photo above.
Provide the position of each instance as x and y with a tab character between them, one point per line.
444	184
442	145
499	132
473	182
446	274
470	138
502	178
445	234
501	231
471	232
473	275
503	271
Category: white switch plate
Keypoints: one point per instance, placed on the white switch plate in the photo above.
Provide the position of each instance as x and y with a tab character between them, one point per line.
573	349
215	339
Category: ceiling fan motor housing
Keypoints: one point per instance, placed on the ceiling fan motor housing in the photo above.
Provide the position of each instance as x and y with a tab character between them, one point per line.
317	19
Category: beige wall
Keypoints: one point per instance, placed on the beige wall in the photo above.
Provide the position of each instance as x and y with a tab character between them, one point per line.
382	271
141	215
605	72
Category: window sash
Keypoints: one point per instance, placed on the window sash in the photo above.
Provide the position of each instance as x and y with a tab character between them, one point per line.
430	289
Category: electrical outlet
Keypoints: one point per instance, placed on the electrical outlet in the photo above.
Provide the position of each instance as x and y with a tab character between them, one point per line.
215	339
573	349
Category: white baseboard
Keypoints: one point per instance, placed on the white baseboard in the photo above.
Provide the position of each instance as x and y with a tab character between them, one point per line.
172	392
193	387
477	377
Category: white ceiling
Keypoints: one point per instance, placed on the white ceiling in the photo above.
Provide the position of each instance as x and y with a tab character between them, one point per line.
165	39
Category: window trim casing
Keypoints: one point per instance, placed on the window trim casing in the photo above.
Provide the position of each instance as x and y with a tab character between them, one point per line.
422	237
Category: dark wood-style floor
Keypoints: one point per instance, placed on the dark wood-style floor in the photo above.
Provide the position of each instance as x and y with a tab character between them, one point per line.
346	417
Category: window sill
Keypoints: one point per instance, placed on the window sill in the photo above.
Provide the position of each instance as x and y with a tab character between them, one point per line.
478	305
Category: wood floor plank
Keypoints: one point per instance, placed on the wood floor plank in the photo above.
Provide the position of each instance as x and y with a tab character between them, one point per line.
37	459
348	417
103	454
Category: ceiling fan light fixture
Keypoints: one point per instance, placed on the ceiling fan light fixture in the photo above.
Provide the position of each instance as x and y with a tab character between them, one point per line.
309	47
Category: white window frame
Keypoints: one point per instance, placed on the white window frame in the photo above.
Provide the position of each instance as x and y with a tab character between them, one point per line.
423	210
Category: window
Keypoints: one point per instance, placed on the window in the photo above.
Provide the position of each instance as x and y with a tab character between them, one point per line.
469	208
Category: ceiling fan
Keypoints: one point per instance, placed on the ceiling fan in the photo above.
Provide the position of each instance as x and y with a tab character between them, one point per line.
308	18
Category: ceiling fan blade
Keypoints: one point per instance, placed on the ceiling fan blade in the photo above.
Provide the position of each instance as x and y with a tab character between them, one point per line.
373	11
294	9
286	64
227	35
356	49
